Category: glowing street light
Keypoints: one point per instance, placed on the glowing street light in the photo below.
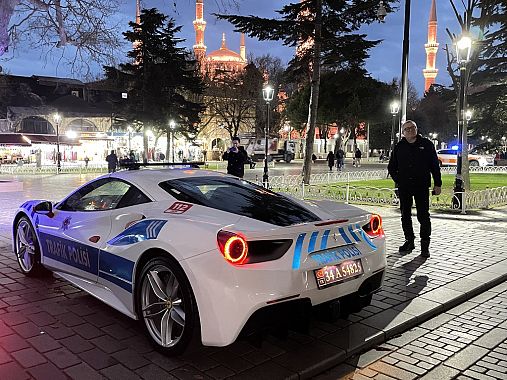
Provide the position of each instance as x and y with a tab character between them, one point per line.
395	108
463	51
267	93
57	119
172	125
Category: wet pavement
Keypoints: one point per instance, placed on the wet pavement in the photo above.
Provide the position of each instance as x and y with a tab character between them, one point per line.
51	330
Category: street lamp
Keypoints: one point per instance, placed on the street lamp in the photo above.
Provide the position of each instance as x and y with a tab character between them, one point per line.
267	94
395	108
463	50
57	119
149	135
129	130
172	125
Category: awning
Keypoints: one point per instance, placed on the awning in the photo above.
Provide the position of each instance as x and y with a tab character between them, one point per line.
13	139
50	139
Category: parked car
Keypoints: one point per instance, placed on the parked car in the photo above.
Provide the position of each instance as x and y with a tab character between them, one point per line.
449	157
200	255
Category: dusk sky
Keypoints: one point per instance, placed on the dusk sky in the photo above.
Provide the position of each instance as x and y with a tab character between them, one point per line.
384	63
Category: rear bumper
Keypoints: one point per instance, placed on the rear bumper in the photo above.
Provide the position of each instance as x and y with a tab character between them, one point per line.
228	296
296	313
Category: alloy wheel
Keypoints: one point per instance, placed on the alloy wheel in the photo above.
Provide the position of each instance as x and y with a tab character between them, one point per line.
26	243
162	306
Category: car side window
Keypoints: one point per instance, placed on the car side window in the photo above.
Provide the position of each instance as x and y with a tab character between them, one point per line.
104	194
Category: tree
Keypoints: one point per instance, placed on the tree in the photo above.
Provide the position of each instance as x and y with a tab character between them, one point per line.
349	99
231	99
83	26
323	30
272	71
162	81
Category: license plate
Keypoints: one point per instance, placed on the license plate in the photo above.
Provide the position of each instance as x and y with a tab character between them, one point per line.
335	274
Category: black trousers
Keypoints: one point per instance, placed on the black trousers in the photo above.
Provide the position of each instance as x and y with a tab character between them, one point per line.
422	204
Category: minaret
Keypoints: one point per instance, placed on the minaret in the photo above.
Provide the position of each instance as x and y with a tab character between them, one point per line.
199	27
242	48
136	44
430	72
138	12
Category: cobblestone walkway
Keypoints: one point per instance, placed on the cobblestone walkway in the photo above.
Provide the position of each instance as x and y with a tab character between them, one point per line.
51	330
467	342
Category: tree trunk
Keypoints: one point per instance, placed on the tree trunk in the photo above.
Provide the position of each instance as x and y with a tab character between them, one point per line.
168	148
314	95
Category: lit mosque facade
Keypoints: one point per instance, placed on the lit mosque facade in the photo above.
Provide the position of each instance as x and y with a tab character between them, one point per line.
223	59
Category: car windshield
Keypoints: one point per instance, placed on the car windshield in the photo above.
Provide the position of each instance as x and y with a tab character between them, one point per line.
239	197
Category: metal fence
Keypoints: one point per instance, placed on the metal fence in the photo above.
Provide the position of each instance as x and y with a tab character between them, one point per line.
51	169
340	186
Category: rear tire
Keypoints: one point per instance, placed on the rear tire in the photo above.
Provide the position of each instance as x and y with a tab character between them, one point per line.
27	248
166	306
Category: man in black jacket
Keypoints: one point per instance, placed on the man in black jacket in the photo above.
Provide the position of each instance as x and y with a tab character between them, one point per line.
411	165
236	157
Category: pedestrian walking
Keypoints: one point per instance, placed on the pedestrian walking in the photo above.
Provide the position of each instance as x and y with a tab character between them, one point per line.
330	160
340	158
86	160
236	157
357	158
112	162
412	164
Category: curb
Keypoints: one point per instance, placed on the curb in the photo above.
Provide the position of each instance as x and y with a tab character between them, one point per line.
406	323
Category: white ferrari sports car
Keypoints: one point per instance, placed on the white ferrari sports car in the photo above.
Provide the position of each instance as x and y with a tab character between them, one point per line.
198	255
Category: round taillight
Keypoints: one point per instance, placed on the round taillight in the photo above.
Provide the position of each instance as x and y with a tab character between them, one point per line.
375	224
233	246
235	249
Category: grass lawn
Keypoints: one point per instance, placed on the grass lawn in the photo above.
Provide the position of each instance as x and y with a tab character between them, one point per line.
478	181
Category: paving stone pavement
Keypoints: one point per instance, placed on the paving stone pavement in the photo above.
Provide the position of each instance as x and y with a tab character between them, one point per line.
467	342
50	329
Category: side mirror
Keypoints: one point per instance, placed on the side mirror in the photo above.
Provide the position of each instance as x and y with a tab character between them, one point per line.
45	208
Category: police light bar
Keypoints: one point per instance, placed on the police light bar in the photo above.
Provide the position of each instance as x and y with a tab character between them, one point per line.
134	165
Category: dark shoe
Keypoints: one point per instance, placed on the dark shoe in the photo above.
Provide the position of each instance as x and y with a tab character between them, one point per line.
425	248
407	247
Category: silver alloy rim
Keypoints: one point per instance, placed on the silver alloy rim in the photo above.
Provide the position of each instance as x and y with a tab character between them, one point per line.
162	306
25	246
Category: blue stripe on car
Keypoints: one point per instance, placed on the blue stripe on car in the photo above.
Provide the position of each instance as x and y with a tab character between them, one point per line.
297	251
344	235
367	239
351	230
313	240
323	243
77	255
144	230
117	281
116	269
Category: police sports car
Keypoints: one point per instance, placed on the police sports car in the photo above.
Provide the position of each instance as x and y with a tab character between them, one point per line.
197	255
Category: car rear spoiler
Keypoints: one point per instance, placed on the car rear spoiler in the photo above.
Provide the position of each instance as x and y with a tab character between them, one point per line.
134	165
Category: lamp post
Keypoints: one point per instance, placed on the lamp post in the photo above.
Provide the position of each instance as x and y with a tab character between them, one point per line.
381	14
395	108
463	49
57	119
267	94
129	130
172	125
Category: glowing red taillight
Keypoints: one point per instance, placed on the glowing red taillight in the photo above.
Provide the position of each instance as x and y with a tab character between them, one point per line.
374	227
233	246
